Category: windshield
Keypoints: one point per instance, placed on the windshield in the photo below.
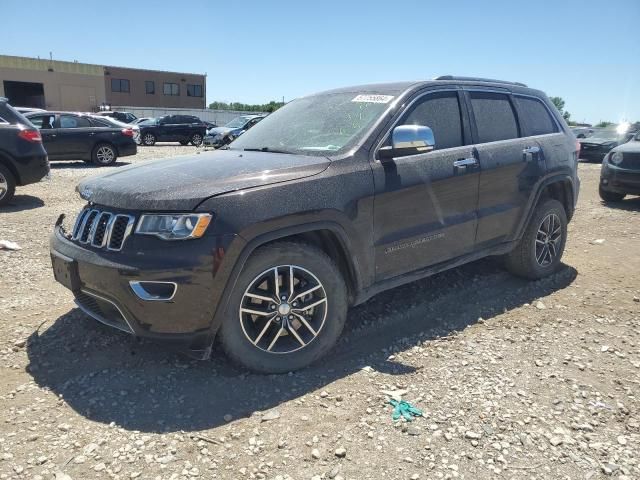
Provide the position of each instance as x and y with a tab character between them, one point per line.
237	122
317	124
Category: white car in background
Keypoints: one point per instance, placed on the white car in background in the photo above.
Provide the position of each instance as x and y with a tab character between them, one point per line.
112	122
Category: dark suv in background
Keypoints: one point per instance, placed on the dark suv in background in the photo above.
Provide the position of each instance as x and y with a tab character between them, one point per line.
173	128
23	159
324	203
125	117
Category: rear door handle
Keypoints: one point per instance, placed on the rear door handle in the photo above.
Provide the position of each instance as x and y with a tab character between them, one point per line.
531	150
529	153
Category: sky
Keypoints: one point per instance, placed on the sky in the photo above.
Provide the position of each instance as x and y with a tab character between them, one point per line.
253	51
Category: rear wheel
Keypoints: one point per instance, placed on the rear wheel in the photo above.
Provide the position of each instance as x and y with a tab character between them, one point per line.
539	252
288	309
104	155
7	185
149	139
610	196
196	139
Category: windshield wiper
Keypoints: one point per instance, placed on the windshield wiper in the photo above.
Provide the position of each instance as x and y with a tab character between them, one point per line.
267	149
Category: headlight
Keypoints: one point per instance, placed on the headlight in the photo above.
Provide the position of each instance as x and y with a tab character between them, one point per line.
174	227
616	158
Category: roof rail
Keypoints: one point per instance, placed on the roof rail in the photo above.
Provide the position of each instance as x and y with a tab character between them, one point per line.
477	79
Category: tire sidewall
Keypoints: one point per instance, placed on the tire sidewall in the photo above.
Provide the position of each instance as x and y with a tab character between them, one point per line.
234	341
11	185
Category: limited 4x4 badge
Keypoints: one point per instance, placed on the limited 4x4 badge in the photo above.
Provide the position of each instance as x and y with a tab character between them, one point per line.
414	243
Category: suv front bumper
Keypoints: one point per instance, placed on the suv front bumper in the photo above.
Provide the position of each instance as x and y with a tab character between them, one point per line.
101	284
619	180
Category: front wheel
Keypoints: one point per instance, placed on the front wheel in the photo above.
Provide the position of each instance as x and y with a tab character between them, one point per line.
288	309
7	185
149	139
196	139
612	197
539	252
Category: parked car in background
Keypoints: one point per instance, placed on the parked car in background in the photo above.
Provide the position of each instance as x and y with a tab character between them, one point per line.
595	147
80	136
620	173
220	136
582	132
23	159
138	121
125	117
329	200
112	122
210	125
173	128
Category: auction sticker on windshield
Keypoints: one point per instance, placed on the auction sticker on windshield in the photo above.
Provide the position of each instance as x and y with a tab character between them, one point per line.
373	98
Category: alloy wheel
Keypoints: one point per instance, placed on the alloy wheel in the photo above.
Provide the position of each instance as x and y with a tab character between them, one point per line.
4	186
548	240
283	309
196	139
149	139
105	155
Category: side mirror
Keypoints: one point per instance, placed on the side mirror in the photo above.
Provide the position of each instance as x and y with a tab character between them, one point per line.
409	140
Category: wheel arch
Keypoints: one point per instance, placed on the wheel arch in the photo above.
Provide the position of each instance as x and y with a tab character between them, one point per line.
329	237
559	187
5	160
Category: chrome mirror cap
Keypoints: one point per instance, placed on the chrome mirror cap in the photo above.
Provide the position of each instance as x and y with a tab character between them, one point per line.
416	137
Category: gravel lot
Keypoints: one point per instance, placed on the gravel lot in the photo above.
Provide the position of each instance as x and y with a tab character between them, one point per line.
516	379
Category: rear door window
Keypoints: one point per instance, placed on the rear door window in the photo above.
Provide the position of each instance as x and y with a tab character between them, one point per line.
71	121
494	115
441	113
536	119
43	122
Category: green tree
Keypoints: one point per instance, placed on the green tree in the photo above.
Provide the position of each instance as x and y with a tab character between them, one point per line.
272	106
559	104
604	124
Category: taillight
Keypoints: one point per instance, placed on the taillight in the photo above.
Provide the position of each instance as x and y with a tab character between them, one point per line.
127	132
30	135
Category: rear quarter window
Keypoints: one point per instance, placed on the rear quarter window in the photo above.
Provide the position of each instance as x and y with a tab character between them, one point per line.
494	115
536	119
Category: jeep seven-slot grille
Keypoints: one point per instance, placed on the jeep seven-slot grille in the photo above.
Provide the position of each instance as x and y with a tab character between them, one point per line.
102	229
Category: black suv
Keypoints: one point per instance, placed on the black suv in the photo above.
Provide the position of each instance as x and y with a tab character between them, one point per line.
79	136
23	159
173	128
326	202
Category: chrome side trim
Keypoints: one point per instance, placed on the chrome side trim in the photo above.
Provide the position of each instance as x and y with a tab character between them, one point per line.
141	293
102	319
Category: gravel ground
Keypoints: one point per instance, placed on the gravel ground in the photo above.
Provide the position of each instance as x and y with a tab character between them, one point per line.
518	380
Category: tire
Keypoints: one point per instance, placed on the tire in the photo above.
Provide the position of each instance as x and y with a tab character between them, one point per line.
528	259
247	338
610	197
7	185
184	142
104	155
196	139
148	139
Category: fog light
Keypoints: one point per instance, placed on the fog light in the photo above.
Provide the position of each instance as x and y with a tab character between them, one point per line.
154	291
605	181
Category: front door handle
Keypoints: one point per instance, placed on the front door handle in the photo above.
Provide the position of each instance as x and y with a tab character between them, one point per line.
460	166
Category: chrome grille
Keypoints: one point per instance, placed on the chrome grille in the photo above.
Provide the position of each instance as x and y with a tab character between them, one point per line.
102	229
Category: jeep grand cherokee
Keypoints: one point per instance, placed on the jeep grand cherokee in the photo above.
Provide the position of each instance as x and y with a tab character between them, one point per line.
329	200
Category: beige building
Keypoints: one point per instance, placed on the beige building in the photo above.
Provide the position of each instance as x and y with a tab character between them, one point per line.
73	86
54	85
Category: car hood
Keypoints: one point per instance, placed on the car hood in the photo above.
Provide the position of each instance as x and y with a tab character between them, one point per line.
632	146
220	130
181	183
597	141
